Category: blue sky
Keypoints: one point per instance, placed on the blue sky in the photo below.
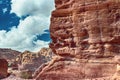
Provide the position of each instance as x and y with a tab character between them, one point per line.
24	24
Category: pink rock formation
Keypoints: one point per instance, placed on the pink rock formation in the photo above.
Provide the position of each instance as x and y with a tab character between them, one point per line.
86	26
28	61
3	68
86	38
8	54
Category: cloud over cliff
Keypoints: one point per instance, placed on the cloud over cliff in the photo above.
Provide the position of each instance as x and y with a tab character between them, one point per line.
34	20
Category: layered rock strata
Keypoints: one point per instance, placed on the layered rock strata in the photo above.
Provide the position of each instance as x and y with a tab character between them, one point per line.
86	39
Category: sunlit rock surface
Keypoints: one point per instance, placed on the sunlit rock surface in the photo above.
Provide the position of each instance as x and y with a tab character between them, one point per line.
28	62
86	39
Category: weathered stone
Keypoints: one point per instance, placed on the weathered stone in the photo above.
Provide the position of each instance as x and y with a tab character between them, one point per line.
26	74
86	38
3	68
87	25
8	54
30	61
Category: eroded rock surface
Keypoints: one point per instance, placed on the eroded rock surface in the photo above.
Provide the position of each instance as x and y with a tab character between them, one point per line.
3	68
28	62
8	54
86	27
86	39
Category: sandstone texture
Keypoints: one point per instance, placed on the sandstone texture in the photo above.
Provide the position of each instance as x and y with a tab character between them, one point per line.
9	54
28	62
86	39
12	77
3	68
82	28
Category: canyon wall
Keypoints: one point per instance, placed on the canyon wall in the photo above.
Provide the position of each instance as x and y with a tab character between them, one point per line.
86	39
86	28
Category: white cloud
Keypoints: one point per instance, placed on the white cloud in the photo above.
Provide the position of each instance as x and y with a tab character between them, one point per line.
23	37
4	10
32	7
19	40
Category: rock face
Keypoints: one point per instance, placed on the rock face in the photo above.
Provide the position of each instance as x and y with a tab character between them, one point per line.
8	54
28	61
86	27
3	68
86	39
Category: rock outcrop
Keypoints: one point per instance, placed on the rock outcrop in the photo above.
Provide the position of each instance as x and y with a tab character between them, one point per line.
86	28
86	39
3	68
28	61
8	54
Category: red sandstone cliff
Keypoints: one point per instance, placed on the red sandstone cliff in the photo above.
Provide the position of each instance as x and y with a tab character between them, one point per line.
86	39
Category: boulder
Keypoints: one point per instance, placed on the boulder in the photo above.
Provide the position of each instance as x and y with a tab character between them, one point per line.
3	68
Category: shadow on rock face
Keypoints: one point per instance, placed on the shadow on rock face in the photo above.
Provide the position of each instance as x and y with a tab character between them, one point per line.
3	68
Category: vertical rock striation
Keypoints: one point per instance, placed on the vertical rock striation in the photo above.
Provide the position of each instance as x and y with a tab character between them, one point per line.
86	39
